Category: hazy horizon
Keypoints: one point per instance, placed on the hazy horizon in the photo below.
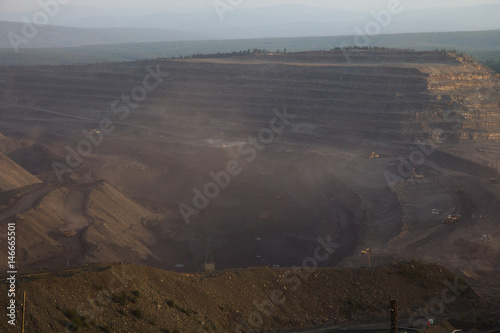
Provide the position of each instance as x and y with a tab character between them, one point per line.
246	19
13	5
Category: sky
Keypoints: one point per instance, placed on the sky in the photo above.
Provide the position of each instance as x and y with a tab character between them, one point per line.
17	5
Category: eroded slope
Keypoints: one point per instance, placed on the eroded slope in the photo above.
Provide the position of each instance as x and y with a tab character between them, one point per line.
315	179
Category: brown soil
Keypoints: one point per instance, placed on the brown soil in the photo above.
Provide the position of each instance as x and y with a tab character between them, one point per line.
224	301
12	176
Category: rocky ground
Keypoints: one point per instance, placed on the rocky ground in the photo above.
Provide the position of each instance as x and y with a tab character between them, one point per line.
131	298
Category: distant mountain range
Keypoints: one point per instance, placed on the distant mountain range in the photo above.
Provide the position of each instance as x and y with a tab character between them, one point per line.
153	25
56	36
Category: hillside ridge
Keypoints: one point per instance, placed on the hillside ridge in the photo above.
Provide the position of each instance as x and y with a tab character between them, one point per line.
252	299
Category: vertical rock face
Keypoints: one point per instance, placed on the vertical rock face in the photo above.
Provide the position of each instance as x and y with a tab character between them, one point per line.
375	95
468	98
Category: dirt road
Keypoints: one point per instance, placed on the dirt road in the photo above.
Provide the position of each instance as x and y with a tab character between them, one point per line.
25	203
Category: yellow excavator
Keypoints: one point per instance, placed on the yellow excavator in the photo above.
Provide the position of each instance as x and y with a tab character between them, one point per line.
414	175
374	156
451	219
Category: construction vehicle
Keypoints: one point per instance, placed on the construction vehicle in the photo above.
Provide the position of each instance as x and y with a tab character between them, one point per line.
368	252
451	219
374	156
414	175
68	233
